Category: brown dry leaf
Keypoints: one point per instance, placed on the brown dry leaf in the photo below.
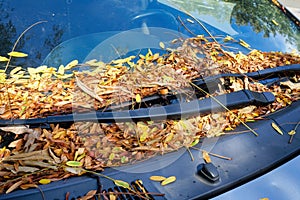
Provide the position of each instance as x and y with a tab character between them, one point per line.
16	144
34	155
91	194
14	186
206	156
27	186
290	84
17	129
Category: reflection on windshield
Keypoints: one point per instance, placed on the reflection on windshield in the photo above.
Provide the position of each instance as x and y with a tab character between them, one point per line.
215	13
257	22
242	17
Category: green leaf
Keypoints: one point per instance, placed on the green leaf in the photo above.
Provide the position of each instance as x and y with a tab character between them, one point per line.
121	183
74	164
17	54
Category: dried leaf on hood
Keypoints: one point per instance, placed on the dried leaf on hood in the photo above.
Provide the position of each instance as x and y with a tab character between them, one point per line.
17	129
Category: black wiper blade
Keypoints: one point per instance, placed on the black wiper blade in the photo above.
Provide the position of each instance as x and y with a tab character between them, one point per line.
232	100
261	74
210	84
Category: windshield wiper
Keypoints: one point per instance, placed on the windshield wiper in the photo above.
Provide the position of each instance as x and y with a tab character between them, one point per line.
232	100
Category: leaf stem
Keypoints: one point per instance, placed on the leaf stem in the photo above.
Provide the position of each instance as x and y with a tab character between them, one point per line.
223	106
17	41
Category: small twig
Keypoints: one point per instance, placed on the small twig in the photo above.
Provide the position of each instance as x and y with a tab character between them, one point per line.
223	106
184	26
17	41
294	132
213	154
189	151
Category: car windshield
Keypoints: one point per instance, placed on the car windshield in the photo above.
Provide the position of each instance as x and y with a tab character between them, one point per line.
201	91
260	23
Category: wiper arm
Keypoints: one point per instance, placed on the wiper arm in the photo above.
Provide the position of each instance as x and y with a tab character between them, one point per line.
174	111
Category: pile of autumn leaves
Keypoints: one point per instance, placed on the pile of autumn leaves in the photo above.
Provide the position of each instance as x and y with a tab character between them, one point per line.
38	156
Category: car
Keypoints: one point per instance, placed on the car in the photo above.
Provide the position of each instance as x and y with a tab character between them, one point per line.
260	163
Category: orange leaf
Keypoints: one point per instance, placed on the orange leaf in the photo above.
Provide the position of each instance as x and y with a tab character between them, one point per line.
206	157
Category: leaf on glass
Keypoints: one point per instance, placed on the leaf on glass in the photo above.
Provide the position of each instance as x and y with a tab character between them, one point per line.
3	59
44	181
162	45
73	163
61	70
71	64
244	44
15	70
276	128
121	183
274	22
228	38
168	180
17	54
87	90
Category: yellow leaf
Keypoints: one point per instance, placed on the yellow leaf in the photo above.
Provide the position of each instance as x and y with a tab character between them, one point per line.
292	132
74	163
162	45
15	70
41	69
61	70
157	178
3	59
138	98
168	180
274	22
44	181
206	157
189	20
244	44
228	38
17	54
277	128
169	137
71	64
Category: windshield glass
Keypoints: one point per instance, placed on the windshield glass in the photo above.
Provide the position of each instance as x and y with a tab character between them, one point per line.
260	23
